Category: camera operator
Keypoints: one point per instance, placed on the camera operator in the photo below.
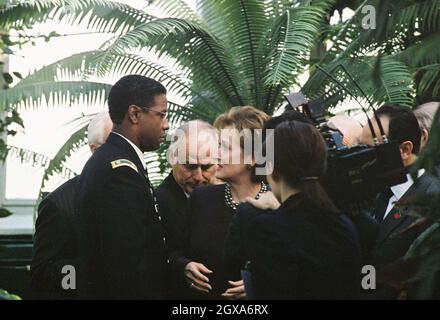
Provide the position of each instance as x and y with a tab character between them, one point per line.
396	230
305	249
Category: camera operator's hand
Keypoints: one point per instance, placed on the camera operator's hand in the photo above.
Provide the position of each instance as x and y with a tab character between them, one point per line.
195	276
266	201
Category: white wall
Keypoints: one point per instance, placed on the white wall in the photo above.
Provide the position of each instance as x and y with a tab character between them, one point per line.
21	222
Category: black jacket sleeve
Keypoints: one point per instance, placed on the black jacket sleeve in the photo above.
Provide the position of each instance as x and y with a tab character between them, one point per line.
52	250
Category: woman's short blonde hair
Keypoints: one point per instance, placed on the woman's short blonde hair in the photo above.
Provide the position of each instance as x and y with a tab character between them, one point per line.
240	118
244	118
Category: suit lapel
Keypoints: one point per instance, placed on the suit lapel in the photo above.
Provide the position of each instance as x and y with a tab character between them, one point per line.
391	222
394	219
175	189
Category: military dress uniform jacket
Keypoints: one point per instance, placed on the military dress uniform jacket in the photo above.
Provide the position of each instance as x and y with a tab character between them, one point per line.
121	239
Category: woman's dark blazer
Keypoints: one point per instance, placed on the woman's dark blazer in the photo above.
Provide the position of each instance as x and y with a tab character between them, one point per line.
300	252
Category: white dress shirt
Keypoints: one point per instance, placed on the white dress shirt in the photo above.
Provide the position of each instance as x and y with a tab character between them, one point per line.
399	190
136	148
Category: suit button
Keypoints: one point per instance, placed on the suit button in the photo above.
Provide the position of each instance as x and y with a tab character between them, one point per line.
164	239
168	261
160	218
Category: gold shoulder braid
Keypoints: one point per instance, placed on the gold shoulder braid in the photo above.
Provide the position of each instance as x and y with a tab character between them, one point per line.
124	163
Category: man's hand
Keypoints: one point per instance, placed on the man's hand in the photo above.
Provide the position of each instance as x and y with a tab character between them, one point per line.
266	201
195	276
236	292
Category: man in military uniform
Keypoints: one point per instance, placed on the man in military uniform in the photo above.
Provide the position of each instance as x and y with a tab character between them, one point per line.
121	239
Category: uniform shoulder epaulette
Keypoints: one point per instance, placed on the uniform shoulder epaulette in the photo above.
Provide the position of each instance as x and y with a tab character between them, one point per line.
124	163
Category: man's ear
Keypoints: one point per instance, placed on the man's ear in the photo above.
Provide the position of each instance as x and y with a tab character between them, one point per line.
93	147
133	114
406	149
425	136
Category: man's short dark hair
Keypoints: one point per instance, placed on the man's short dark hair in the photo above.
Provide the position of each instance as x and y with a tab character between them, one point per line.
287	116
403	125
129	90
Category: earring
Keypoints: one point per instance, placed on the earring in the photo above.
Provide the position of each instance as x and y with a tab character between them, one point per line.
249	167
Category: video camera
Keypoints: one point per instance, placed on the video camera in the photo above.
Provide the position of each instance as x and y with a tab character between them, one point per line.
354	174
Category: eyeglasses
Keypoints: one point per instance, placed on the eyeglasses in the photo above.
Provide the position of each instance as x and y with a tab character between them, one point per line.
163	115
195	166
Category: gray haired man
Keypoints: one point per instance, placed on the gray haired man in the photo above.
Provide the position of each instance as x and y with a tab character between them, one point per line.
193	159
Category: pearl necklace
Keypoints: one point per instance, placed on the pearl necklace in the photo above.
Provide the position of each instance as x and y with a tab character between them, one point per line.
232	204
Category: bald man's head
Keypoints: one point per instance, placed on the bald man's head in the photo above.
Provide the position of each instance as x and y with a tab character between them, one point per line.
425	114
349	127
98	130
192	155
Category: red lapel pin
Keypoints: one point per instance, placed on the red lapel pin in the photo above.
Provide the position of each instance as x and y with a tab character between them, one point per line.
397	216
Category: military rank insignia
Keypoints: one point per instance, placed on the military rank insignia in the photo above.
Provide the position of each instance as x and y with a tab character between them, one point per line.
124	163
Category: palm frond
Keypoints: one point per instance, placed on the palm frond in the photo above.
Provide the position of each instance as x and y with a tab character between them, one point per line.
385	80
348	32
155	161
77	67
177	9
37	160
100	15
395	82
428	81
82	65
131	63
293	38
426	51
55	93
423	14
57	163
245	23
187	42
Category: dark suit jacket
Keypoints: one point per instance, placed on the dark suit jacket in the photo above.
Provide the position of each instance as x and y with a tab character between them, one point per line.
55	243
300	252
206	224
392	243
173	203
121	239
